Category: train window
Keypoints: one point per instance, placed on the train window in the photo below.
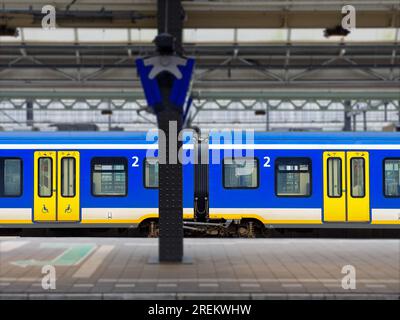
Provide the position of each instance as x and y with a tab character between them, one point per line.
45	177
334	177
392	177
10	177
357	177
68	177
240	173
151	173
293	177
109	177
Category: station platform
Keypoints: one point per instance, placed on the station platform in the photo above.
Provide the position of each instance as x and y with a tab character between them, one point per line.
120	268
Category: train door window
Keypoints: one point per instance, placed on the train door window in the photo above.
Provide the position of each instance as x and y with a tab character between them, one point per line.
293	177
68	177
240	173
334	177
45	177
392	177
151	173
109	177
357	177
10	177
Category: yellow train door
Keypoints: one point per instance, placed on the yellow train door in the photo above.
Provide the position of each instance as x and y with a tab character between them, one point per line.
334	186
68	206
358	199
56	186
45	202
346	186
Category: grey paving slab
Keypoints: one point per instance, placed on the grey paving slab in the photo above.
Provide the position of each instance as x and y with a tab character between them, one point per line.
252	268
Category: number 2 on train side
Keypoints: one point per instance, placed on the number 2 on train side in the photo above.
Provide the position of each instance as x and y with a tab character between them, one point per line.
135	162
267	161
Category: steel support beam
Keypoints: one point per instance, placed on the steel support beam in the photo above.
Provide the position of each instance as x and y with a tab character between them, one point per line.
170	204
29	113
132	95
347	116
208	14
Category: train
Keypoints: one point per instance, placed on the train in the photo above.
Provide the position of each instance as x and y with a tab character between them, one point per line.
241	183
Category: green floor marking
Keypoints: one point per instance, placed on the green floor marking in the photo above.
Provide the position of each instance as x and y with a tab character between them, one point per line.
73	254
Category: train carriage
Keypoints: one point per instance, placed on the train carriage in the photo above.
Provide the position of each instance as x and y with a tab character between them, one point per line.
301	180
311	180
78	180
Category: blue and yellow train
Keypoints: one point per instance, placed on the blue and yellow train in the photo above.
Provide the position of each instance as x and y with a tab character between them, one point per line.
301	180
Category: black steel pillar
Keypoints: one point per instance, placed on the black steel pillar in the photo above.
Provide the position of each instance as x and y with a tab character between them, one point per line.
170	16
267	116
29	113
385	104
347	116
170	21
354	122
365	120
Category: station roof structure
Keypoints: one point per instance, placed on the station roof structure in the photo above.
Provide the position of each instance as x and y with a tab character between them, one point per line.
250	44
205	13
249	54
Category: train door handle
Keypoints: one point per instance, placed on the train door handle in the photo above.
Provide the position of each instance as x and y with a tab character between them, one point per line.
68	209
44	209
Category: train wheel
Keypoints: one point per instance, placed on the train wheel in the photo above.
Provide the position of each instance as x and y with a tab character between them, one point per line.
154	231
250	229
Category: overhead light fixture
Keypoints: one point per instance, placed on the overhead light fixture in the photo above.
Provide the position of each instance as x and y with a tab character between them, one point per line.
8	32
260	112
107	112
337	31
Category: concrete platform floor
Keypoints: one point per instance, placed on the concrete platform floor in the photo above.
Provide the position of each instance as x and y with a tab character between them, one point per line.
119	268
